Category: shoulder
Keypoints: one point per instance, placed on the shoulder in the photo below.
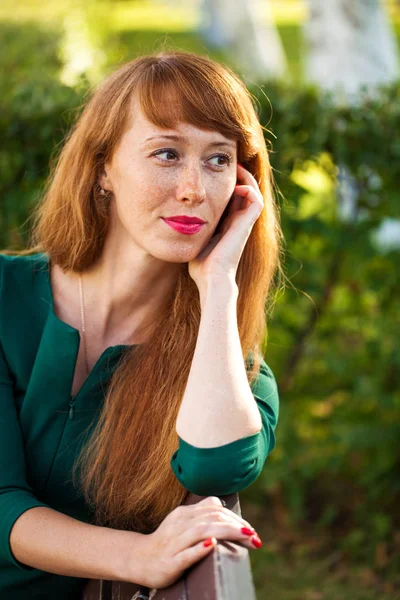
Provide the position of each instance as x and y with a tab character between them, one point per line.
22	282
22	261
19	269
24	306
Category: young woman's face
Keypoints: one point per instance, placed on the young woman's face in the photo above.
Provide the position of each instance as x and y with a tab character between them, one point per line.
193	174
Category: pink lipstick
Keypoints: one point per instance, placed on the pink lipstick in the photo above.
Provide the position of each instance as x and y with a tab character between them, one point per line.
185	228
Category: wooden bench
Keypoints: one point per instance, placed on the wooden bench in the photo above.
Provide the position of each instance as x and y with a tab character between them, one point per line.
224	574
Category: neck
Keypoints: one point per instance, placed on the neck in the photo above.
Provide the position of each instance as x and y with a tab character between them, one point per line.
123	290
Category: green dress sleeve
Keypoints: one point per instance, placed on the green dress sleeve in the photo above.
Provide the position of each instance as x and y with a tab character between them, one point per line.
16	496
230	468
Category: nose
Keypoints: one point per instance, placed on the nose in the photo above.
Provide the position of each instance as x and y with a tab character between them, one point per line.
191	188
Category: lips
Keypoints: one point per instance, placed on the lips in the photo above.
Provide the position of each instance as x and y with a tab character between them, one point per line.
185	228
185	220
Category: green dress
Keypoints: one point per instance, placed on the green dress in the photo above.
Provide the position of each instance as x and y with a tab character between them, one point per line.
42	427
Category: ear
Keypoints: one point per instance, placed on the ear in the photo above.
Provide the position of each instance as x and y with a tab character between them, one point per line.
104	179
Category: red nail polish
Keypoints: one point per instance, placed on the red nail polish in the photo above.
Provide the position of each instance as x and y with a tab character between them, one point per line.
248	531
256	541
208	542
240	164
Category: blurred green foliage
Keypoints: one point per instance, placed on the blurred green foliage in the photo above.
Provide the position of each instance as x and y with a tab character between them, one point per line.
333	338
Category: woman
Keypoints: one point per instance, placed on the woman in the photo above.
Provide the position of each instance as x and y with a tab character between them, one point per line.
156	248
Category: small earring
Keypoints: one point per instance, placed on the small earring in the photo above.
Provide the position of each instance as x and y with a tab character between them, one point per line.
102	192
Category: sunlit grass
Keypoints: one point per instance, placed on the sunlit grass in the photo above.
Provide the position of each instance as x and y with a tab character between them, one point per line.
154	17
34	10
145	14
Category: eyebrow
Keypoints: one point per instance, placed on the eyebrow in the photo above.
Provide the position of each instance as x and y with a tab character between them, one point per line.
182	138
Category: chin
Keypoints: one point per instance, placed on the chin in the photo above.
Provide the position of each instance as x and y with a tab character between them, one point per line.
177	253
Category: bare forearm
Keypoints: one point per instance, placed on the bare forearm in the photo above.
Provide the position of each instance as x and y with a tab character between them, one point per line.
218	406
51	541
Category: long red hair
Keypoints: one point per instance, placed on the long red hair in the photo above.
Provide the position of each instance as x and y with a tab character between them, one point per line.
124	469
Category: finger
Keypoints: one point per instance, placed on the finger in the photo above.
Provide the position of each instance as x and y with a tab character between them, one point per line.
235	203
209	508
210	500
243	197
189	556
247	190
239	206
251	198
245	175
222	530
212	505
214	513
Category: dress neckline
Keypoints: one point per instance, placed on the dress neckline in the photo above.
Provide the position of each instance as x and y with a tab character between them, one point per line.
73	338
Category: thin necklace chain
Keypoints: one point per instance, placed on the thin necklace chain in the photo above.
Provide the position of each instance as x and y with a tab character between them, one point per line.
83	323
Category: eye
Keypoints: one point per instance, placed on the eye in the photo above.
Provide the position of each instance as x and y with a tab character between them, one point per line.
164	151
228	158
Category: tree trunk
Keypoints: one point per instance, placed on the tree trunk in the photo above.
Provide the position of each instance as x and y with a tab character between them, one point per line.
250	37
349	43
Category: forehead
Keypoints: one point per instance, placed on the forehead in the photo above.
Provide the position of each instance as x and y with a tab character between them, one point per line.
147	132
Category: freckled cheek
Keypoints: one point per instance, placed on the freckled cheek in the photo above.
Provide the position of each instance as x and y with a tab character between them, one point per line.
145	203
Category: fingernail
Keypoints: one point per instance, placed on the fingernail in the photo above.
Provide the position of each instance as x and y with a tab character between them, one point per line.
256	541
248	531
208	542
